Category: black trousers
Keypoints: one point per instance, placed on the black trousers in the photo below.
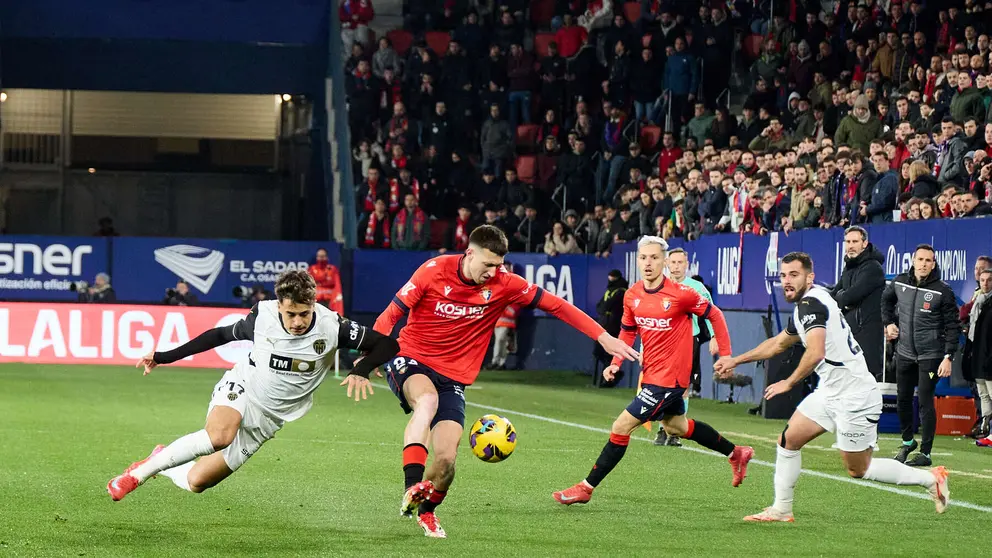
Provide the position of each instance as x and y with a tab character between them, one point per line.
923	375
696	380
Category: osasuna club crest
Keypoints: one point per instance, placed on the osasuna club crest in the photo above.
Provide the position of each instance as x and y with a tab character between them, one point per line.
666	304
319	346
486	293
637	302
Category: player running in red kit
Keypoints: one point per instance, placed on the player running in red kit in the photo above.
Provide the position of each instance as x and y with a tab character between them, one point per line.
453	304
661	311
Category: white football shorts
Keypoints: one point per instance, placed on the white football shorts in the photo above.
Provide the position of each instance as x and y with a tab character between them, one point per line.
853	417
257	427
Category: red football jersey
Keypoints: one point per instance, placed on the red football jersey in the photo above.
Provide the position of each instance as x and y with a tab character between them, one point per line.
663	318
451	318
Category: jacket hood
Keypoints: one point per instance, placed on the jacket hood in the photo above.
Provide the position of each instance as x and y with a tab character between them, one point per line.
869	253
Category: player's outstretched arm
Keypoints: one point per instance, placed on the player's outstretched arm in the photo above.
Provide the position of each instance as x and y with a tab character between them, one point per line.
378	349
406	298
766	350
816	350
561	309
207	340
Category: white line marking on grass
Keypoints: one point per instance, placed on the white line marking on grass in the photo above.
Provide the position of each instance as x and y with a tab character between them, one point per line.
886	488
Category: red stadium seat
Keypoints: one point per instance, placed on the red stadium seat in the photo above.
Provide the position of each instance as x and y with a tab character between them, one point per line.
541	12
541	42
402	41
632	10
438	41
649	138
527	137
527	168
752	46
439	230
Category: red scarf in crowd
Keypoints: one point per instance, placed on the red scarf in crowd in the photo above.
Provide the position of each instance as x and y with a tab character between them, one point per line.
419	220
400	163
394	193
374	223
370	197
391	94
461	234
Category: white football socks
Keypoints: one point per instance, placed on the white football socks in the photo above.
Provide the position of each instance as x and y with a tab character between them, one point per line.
185	449
788	465
891	471
180	475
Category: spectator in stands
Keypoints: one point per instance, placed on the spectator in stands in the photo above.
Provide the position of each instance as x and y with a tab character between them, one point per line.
681	81
181	295
768	64
101	292
922	183
951	149
456	238
700	127
858	128
411	228
547	166
374	230
328	280
513	193
355	16
552	74
520	71
712	202
560	240
973	207
472	36
386	58
967	102
496	138
507	32
361	87
885	193
615	149
771	138
531	232
370	191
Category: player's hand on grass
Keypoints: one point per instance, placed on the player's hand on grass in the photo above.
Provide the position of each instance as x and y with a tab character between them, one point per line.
616	347
610	372
359	386
147	362
778	388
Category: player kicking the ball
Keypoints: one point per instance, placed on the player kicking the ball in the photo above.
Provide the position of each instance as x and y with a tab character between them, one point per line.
294	341
661	311
453	304
847	399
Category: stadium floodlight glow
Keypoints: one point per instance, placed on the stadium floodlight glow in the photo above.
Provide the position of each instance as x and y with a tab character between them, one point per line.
91	170
3	96
286	97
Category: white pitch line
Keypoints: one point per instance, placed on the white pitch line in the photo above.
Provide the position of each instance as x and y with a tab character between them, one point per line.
858	482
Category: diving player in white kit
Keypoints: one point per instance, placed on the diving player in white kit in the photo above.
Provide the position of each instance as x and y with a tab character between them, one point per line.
847	400
294	341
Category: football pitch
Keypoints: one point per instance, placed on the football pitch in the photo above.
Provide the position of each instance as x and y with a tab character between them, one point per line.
330	484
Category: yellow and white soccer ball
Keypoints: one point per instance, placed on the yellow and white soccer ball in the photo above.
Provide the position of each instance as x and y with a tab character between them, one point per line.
492	438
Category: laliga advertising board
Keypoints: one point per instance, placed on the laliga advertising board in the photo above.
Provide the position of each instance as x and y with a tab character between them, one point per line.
46	267
111	334
145	267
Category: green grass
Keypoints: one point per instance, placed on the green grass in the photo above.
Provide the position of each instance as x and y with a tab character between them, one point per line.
330	483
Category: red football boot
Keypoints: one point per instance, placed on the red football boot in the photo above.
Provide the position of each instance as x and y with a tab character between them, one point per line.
739	459
578	494
431	527
414	496
120	486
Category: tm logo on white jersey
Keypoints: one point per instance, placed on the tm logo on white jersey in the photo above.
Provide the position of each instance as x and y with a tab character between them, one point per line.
197	266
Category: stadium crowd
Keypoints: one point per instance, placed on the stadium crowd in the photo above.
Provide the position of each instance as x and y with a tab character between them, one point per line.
576	125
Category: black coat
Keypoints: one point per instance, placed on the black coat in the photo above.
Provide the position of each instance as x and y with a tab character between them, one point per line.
977	363
926	313
859	295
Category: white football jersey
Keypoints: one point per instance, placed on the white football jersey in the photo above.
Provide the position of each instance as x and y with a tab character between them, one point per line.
283	370
843	369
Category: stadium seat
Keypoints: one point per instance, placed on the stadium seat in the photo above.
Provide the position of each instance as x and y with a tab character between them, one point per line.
438	41
541	12
402	40
632	10
752	46
527	168
439	230
649	138
527	137
541	42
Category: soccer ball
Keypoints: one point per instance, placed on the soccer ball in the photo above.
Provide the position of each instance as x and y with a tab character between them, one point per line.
493	438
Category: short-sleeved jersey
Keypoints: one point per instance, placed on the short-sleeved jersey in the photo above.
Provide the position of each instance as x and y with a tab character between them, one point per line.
663	319
451	318
843	369
283	369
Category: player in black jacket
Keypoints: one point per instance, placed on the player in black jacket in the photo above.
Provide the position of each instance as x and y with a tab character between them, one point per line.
920	311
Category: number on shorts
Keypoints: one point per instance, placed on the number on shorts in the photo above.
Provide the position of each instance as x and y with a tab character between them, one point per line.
232	386
399	363
851	342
